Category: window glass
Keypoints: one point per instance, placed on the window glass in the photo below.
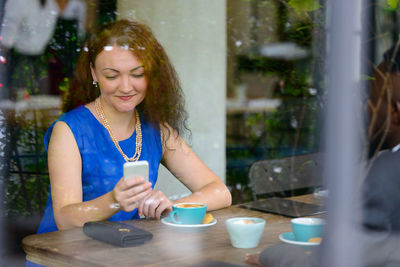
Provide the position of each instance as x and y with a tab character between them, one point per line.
274	81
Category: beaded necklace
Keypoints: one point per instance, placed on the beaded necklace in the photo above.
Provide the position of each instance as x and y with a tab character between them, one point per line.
106	124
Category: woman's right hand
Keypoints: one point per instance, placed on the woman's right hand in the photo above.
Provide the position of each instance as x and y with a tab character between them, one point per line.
128	193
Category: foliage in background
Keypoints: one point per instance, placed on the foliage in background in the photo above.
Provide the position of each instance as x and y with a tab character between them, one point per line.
392	3
303	6
25	171
292	128
26	177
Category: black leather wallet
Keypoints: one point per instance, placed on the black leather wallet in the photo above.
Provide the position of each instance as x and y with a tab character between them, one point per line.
116	233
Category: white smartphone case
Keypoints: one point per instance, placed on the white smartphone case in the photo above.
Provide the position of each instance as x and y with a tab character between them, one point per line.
136	169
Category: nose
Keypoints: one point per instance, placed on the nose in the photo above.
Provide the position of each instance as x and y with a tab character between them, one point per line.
125	85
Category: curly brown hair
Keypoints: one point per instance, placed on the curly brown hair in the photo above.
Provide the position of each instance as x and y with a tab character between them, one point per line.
164	101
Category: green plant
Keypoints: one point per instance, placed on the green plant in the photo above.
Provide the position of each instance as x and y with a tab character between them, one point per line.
24	163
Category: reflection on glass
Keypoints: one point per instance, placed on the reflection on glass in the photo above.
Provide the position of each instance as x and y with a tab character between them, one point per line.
276	94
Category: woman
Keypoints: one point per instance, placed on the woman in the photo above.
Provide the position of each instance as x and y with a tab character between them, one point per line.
133	110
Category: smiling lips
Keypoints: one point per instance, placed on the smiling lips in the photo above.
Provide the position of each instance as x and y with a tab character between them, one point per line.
125	98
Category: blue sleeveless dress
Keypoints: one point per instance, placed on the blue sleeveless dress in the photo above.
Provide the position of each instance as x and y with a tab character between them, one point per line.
101	161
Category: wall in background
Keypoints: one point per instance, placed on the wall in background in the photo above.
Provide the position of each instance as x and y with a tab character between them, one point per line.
194	35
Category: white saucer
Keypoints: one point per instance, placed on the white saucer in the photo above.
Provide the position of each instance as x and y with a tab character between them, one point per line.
187	227
289	238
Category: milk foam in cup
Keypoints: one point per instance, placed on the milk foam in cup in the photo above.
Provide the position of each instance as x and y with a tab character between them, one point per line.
245	232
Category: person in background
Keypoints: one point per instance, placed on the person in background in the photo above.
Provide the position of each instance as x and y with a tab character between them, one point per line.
27	31
381	201
381	204
126	105
383	103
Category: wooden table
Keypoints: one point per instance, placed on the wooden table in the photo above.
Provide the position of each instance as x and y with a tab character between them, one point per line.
168	247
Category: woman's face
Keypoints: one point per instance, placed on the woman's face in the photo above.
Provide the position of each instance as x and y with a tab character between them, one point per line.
121	78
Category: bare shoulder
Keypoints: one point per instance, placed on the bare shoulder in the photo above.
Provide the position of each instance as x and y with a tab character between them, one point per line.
63	147
165	127
60	128
171	138
61	134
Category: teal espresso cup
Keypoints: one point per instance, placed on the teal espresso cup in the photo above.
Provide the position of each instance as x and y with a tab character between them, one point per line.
188	213
245	232
306	228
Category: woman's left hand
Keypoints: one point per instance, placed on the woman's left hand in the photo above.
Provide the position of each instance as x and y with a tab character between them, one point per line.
154	205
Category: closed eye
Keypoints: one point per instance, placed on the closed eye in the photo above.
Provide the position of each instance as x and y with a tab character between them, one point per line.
137	75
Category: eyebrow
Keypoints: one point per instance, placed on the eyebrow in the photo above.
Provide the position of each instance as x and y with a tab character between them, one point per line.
135	68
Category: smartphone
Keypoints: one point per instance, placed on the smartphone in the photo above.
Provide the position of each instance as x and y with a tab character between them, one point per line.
136	169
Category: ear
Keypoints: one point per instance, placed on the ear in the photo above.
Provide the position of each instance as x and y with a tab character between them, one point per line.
93	72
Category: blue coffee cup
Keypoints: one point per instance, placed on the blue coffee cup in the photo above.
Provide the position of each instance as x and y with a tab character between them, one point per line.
306	228
245	232
188	213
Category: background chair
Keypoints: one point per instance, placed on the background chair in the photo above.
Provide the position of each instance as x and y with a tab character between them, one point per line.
288	176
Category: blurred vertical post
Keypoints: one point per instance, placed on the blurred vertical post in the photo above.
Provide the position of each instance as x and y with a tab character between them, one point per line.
342	144
2	157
